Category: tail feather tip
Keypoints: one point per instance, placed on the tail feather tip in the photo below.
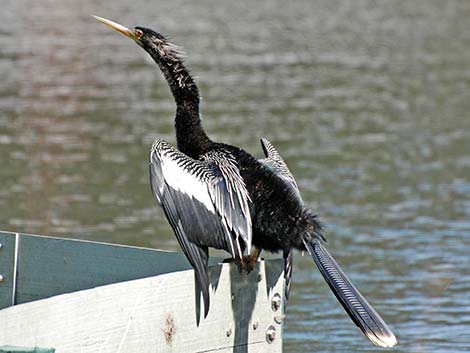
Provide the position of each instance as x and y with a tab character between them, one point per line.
385	340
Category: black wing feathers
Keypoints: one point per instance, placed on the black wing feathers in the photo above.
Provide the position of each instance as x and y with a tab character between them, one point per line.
197	255
205	202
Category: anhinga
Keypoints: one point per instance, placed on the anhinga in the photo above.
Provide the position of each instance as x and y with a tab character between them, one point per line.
217	195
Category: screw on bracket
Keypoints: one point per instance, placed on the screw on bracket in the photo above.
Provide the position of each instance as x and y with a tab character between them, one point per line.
271	334
276	302
1	278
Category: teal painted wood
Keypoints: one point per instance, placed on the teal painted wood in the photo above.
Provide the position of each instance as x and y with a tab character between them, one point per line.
49	266
12	349
7	265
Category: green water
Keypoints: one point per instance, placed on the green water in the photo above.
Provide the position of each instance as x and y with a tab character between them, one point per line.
368	101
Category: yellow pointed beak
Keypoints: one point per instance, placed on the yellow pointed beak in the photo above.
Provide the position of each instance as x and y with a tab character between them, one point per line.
120	28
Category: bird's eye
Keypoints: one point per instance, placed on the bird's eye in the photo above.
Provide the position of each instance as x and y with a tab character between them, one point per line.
138	33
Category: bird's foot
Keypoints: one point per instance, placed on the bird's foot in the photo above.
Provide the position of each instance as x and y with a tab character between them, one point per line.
246	263
249	262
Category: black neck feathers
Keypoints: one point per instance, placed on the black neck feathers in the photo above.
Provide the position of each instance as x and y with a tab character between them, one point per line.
190	136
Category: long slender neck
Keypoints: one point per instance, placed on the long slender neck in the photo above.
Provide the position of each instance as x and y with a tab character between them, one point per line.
190	136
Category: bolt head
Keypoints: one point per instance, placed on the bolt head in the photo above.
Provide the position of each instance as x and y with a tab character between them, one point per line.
271	334
276	302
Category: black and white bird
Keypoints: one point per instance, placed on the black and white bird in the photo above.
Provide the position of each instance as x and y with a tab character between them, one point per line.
215	195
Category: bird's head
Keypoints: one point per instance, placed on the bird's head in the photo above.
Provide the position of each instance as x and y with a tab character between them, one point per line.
148	39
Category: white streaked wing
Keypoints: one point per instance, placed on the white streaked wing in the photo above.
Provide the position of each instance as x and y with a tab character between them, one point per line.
213	185
236	197
185	182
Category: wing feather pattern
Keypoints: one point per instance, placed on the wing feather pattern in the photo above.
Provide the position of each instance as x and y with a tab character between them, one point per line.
275	162
205	202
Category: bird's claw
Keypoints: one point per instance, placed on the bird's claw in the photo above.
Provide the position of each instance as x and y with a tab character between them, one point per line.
249	263
246	263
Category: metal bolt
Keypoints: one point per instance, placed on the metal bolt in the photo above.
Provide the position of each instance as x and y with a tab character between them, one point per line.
255	325
1	278
276	302
228	332
271	334
1	245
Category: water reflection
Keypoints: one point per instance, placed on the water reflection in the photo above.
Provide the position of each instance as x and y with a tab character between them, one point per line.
367	101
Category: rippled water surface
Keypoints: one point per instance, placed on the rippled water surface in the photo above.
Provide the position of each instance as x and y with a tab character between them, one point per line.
368	101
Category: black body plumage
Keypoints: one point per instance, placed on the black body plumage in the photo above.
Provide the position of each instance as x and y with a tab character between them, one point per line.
217	195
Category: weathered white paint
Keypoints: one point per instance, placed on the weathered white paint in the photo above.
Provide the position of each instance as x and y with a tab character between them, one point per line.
156	314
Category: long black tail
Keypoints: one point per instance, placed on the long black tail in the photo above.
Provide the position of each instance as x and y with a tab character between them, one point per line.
357	307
